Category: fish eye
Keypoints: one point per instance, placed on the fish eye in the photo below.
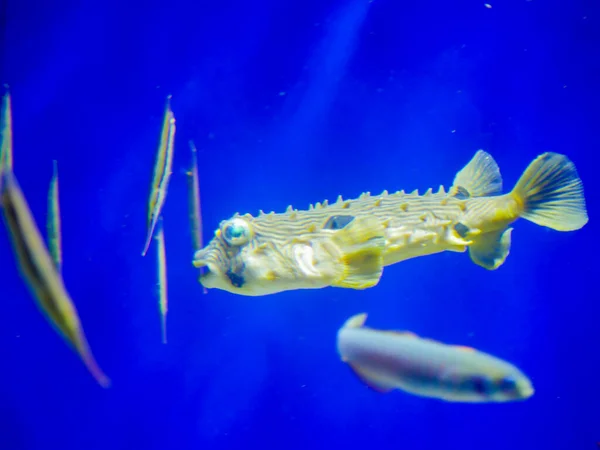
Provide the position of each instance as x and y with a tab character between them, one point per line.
236	232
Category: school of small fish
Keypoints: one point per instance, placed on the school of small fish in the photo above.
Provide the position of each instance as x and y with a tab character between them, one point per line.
40	270
344	244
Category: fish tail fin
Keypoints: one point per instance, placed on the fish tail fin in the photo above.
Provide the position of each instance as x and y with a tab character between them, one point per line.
550	193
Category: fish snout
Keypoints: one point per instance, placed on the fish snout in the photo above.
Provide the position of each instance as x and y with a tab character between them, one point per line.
525	388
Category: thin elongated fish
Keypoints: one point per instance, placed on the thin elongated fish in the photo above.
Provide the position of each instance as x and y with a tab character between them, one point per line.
347	244
388	360
162	279
162	173
53	221
6	149
39	272
195	206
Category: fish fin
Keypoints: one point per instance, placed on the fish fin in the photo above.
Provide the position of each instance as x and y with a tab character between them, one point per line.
490	250
550	193
362	244
370	379
479	178
355	321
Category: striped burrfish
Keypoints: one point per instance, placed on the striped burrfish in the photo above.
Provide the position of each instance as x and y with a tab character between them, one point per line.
347	244
388	360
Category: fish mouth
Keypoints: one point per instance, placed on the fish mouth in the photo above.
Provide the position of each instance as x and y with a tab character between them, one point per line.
526	391
208	273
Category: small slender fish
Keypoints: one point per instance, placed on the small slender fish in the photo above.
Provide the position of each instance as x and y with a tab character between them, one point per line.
53	221
195	206
163	303
388	360
162	173
40	274
6	150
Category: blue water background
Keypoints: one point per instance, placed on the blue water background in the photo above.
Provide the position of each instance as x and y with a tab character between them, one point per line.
294	102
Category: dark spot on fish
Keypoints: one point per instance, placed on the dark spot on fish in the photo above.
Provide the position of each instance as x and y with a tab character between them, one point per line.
508	384
236	280
337	222
235	273
480	385
461	193
461	229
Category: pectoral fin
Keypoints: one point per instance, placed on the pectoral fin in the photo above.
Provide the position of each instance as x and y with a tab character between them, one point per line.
361	244
490	250
371	379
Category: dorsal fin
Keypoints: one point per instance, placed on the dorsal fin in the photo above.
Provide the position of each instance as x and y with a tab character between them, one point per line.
356	321
480	177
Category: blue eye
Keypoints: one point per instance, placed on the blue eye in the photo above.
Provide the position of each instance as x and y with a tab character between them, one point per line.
236	232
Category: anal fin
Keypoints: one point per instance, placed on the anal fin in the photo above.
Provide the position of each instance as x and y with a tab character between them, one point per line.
489	250
370	379
362	244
